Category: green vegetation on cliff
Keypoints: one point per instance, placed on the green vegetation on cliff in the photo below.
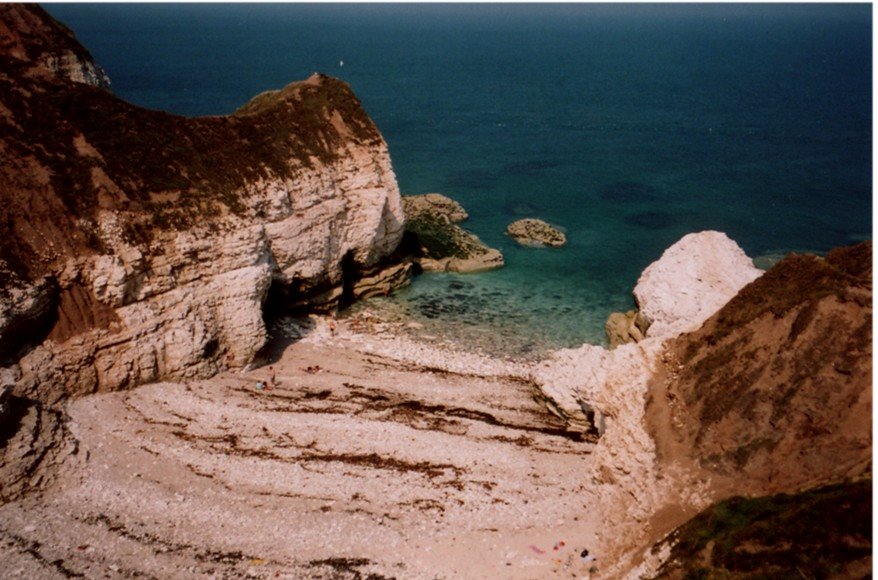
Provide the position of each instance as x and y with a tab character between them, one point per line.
821	533
440	238
73	150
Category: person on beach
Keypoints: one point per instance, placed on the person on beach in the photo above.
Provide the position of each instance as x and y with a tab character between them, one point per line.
272	382
586	558
332	322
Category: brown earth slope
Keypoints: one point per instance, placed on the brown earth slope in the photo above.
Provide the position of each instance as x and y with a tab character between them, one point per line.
774	391
773	395
820	533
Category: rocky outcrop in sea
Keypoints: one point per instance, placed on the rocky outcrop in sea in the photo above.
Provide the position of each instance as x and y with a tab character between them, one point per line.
440	244
536	233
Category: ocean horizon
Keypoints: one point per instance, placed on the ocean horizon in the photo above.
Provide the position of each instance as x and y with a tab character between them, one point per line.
627	126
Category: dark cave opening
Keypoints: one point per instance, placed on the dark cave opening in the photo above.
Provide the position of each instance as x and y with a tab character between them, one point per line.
349	275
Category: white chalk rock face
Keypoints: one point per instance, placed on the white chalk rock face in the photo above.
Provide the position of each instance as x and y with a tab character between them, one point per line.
604	392
182	302
692	280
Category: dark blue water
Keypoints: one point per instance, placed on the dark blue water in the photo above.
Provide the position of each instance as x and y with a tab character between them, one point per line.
627	125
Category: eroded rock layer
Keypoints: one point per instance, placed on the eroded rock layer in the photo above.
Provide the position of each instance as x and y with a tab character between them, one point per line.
139	245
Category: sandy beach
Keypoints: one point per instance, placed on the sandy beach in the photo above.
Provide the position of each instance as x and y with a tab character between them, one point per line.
643	402
370	456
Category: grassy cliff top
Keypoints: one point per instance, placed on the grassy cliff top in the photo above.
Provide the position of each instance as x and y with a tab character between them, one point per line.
821	533
71	150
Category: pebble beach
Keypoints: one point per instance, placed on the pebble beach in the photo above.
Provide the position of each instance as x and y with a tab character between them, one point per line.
344	453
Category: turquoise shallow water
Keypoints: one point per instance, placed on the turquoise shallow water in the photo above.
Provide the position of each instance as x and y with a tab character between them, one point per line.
626	125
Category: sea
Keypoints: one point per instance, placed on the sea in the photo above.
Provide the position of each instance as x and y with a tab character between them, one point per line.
627	126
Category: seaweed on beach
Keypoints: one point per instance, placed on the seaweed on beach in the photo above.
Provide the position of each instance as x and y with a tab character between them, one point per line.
343	568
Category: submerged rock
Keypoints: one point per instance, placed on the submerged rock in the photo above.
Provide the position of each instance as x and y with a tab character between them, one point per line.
442	245
534	232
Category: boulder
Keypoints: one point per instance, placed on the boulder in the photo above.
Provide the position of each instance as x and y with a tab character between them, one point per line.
623	328
534	232
693	279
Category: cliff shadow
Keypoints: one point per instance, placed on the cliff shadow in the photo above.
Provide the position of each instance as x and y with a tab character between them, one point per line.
283	331
25	329
285	313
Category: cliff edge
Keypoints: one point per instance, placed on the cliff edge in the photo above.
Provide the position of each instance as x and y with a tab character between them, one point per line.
140	245
788	360
750	385
770	402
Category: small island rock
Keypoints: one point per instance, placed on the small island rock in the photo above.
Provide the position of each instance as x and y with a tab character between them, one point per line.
441	244
534	232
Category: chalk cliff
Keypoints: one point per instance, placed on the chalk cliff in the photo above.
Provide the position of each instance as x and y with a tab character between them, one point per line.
29	35
139	245
677	293
751	385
